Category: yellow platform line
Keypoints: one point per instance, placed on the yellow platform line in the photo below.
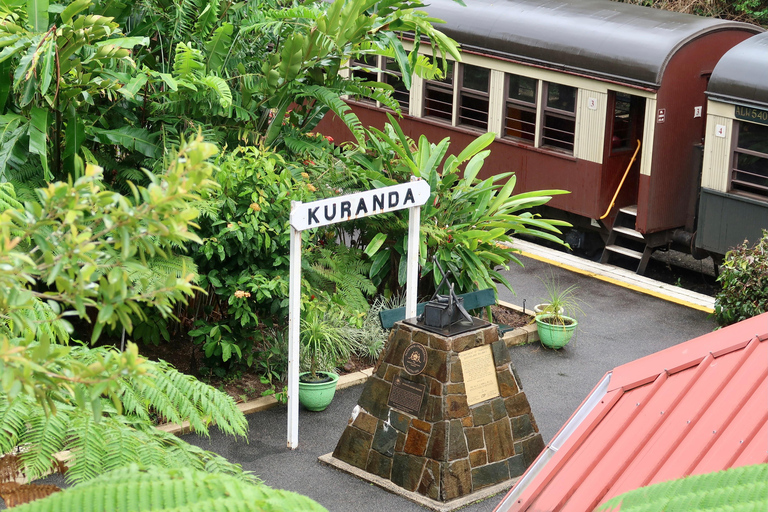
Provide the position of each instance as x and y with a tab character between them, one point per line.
617	282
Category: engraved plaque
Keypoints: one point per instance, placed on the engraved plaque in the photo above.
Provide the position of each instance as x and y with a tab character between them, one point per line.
406	396
479	374
415	358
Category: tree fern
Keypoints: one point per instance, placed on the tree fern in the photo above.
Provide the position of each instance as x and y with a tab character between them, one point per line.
332	100
134	489
741	489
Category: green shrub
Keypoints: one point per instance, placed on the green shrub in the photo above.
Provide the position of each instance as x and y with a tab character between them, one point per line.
744	281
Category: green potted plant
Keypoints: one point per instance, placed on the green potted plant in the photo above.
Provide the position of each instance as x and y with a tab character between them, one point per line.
325	342
555	321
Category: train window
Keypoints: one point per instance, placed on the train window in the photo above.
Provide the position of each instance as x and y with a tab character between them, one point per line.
559	117
438	96
365	68
394	77
520	115
750	160
473	96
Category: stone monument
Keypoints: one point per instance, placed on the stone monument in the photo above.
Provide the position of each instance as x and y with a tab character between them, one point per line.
443	415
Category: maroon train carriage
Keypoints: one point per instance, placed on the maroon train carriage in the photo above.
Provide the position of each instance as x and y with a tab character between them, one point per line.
570	87
734	185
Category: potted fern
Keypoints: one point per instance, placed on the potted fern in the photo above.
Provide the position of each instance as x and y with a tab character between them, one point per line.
325	342
555	322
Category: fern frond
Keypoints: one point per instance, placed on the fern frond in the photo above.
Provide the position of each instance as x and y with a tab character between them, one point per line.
188	61
45	436
180	489
331	99
86	442
220	90
13	422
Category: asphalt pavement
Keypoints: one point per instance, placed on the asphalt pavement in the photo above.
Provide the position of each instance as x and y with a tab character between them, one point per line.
618	325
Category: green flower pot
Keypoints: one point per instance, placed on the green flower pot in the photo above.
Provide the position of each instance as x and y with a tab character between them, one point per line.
555	335
316	396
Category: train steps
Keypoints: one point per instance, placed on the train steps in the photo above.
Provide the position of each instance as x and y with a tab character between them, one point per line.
627	243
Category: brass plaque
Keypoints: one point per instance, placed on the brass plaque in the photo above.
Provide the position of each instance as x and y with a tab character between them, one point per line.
479	374
415	358
406	396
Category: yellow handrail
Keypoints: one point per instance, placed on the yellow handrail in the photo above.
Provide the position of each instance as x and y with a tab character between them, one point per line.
613	201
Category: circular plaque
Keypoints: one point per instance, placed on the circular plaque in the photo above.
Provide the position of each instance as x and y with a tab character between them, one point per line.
415	358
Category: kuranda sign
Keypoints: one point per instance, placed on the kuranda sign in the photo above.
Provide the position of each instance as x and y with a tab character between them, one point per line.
358	205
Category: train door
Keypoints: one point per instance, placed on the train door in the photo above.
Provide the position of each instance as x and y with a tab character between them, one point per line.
624	128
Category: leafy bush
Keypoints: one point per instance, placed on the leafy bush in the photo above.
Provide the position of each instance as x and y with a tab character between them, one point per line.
466	222
744	281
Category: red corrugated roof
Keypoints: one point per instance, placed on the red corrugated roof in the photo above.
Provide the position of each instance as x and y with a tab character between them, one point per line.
694	408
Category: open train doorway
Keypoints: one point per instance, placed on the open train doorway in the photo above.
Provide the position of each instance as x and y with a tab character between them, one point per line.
626	114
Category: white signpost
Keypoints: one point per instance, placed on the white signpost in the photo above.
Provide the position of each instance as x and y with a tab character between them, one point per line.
341	209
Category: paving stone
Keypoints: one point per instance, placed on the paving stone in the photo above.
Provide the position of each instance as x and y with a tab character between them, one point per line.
468	341
467	421
456	406
436	364
517	405
421	425
434	386
498	440
353	447
507	385
375	396
531	447
457	480
366	422
456	374
439	343
430	480
482	414
393	372
384	440
436	448
416	442
490	474
400	421
400	442
498	409
475	439
500	353
433	410
457	444
407	470
478	458
381	369
398	341
521	426
516	465
379	465
454	389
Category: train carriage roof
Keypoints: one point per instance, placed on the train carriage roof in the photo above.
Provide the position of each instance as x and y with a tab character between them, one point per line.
600	38
741	76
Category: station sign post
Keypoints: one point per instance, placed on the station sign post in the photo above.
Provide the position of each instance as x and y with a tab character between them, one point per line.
325	212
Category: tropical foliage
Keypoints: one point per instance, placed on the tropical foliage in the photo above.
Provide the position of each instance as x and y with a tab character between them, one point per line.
178	490
80	253
466	223
744	283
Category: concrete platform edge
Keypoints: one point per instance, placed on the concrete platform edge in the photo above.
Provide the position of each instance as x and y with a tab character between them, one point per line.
618	276
431	504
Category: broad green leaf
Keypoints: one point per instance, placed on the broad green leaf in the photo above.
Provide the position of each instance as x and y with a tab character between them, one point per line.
124	42
134	139
375	244
38	137
218	47
47	71
74	8
37	14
